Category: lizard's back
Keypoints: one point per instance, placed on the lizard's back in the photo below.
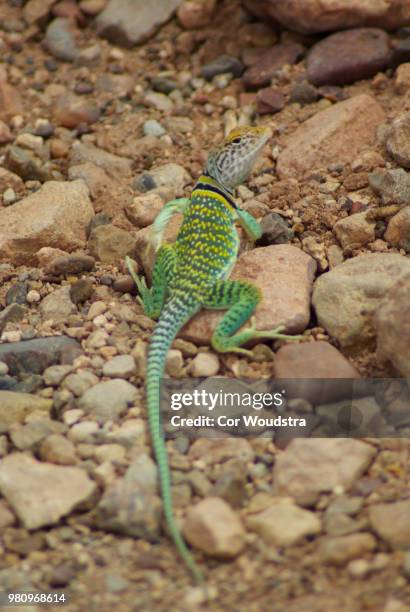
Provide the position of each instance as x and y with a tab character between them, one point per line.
207	244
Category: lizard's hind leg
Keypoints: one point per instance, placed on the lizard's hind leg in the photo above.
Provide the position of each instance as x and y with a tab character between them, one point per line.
152	300
241	298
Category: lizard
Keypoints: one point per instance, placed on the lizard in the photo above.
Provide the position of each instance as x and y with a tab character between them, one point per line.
192	274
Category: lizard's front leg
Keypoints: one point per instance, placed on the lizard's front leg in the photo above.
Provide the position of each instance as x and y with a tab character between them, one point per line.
241	299
152	300
163	218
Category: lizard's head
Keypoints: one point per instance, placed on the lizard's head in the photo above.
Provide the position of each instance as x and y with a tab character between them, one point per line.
233	160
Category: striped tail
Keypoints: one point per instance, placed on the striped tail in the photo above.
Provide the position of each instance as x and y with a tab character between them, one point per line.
175	313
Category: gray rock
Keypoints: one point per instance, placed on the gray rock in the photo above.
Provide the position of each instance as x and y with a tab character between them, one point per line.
79	382
130	509
30	435
70	264
17	294
222	65
153	128
340	550
11	314
57	305
54	375
392	186
129	22
309	467
108	400
42	493
346	298
26	164
398	140
121	366
275	230
14	407
159	101
60	40
34	356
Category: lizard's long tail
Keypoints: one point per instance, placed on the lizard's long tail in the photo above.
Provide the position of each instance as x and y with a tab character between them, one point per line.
175	313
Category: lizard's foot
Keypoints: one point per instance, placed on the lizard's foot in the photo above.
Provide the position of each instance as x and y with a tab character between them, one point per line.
273	334
145	297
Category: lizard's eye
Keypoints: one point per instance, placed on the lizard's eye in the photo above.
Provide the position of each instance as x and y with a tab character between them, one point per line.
236	141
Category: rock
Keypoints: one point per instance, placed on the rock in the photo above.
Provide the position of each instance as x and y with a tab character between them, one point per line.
398	230
57	305
194	15
10	101
269	101
354	230
37	11
214	528
70	111
54	375
30	435
222	65
261	73
153	128
346	298
213	452
332	136
26	164
304	93
17	294
81	290
79	382
341	549
58	214
282	523
42	493
204	364
121	366
309	467
392	186
159	101
129	508
14	407
391	321
402	79
12	313
114	165
284	274
172	176
75	263
397	143
110	244
311	360
349	56
108	400
400	52
275	230
129	22
143	209
311	16
391	523
5	134
34	356
60	40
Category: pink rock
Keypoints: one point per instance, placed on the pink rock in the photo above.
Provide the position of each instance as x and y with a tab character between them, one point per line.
269	101
71	110
332	136
310	16
284	274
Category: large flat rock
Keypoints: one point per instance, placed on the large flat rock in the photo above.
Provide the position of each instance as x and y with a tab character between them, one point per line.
335	135
57	215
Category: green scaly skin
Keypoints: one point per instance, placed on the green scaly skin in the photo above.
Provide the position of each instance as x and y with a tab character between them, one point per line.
191	275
